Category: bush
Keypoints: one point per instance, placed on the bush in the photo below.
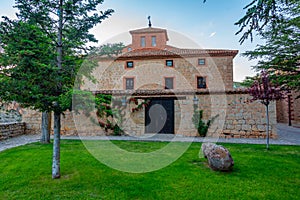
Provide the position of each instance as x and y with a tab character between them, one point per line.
200	125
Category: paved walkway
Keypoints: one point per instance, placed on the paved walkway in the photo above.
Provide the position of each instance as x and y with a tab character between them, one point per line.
286	136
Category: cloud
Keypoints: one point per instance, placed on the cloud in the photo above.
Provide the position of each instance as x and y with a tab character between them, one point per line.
212	34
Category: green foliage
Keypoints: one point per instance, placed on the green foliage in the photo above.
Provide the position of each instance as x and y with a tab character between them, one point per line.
278	23
248	82
109	112
200	125
30	46
28	75
108	50
259	15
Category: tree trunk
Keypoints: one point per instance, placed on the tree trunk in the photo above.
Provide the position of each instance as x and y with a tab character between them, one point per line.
268	135
46	126
56	139
56	147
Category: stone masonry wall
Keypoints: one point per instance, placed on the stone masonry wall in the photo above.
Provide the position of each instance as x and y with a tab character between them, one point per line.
150	74
247	120
11	129
32	120
235	118
10	116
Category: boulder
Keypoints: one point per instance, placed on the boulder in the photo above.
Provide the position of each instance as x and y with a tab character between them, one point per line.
219	158
206	148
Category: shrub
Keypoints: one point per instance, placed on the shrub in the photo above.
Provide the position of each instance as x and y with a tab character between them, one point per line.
201	125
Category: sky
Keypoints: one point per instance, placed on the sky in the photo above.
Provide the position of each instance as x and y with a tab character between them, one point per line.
190	24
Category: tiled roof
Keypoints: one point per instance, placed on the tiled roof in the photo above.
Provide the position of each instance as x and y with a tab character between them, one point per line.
175	52
148	30
167	92
147	52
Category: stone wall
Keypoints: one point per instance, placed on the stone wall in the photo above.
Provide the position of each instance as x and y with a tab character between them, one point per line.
234	118
283	110
32	120
10	112
149	74
10	116
11	129
247	120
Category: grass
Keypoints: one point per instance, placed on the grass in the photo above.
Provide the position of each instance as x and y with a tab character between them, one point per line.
258	174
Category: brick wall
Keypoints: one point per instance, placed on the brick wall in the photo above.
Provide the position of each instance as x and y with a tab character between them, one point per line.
161	40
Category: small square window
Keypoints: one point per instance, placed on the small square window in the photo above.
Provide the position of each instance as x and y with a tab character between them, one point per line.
169	83
201	61
129	83
201	82
129	64
169	63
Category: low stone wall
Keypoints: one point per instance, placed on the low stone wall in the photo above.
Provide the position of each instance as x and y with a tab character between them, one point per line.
10	116
11	129
246	119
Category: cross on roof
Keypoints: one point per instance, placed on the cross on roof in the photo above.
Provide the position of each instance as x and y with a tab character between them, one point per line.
149	19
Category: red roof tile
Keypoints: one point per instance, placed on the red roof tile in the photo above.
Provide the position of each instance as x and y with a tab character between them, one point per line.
148	30
167	92
176	53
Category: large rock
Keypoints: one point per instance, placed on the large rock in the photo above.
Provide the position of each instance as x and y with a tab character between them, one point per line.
206	148
218	157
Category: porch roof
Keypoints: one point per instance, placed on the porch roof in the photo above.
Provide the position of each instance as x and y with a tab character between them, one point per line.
166	93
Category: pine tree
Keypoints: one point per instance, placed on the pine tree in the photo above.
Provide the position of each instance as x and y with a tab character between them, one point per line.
278	23
64	26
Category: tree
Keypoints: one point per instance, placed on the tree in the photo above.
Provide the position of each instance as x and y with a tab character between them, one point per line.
259	15
37	52
263	90
278	23
109	50
65	24
280	54
46	127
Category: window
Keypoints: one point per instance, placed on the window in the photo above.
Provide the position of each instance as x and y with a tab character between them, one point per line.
153	41
169	63
169	83
143	41
129	49
129	83
201	82
201	61
129	64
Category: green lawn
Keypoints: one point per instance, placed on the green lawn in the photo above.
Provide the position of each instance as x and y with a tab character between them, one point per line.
258	174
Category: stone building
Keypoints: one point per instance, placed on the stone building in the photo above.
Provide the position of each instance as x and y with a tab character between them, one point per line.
175	82
161	86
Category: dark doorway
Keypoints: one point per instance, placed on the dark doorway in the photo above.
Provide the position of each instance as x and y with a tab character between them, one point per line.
159	116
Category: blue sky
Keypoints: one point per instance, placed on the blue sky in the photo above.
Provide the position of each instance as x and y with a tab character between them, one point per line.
209	25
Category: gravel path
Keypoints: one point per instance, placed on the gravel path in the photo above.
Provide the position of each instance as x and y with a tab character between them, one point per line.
286	136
